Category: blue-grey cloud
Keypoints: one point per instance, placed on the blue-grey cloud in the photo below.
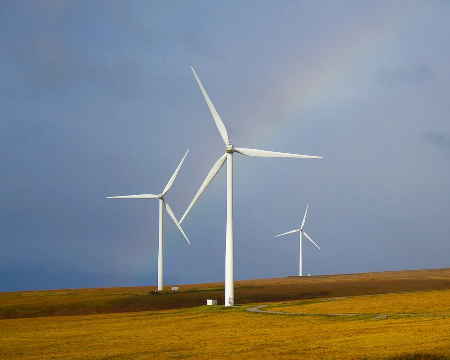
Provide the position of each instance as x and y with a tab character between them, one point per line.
419	75
49	63
438	138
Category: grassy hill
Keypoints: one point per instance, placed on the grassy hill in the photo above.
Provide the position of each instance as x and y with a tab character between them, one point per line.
28	304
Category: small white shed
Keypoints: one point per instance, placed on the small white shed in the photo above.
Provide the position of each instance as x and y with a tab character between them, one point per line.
211	302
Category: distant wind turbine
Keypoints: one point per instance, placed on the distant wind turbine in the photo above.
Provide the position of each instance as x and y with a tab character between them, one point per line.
230	149
162	203
301	232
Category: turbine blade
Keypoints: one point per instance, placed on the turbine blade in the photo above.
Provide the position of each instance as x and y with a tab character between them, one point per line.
304	217
289	232
265	153
310	239
213	172
217	119
172	179
142	196
172	215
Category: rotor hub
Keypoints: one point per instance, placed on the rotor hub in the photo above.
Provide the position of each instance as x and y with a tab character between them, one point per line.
230	148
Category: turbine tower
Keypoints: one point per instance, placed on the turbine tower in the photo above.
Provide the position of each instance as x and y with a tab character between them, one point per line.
301	232
162	203
228	156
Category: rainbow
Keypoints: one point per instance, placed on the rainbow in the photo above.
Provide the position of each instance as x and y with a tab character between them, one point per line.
304	86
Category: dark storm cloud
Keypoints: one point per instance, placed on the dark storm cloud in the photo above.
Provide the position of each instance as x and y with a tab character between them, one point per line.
46	62
98	100
63	47
420	75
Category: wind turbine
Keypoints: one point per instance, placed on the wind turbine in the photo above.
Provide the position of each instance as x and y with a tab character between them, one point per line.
228	156
301	232
162	203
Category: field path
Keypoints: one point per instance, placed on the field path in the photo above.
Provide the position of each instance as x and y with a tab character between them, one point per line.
258	309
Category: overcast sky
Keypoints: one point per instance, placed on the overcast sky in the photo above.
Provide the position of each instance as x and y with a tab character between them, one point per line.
98	99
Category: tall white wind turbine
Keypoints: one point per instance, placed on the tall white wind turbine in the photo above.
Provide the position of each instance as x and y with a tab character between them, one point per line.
301	232
162	203
230	150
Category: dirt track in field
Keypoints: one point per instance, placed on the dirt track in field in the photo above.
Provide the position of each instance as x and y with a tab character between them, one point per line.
128	299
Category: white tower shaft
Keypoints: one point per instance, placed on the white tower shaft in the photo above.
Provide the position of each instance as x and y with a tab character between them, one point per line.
229	249
301	257
160	250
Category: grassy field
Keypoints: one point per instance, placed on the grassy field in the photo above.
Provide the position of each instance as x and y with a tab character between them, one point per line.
424	303
203	332
132	299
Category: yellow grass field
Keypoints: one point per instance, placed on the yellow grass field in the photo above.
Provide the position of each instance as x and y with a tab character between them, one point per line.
204	333
215	332
433	302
